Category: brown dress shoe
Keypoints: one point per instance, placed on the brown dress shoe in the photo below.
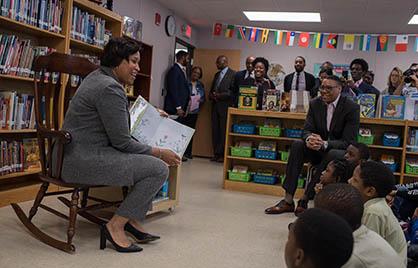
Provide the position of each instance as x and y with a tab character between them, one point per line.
281	207
301	207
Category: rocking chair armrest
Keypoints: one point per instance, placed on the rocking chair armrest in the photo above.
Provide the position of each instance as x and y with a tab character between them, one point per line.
60	136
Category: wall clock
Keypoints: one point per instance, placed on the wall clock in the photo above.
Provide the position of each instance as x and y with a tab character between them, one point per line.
170	25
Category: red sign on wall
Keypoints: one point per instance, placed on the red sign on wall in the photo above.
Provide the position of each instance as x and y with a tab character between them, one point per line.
157	19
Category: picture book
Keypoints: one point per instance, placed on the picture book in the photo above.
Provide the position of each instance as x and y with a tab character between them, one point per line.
367	104
267	146
271	100
240	169
132	28
299	101
247	99
247	144
31	154
147	126
411	107
393	107
285	99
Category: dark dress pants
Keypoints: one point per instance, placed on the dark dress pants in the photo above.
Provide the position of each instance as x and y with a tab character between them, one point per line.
190	121
219	117
299	154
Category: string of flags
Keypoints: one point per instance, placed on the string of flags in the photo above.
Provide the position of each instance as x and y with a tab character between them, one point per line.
256	34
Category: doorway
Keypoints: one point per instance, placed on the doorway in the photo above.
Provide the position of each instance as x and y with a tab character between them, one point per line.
183	45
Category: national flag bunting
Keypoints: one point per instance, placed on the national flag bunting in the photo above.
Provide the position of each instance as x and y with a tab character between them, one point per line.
240	32
217	29
290	38
264	35
348	42
332	41
304	39
278	37
365	42
401	44
253	34
382	42
317	40
229	31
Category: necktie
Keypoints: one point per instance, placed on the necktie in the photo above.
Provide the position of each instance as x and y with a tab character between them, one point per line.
330	112
218	81
297	81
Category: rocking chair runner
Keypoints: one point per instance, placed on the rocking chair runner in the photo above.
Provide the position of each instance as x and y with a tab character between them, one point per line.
47	106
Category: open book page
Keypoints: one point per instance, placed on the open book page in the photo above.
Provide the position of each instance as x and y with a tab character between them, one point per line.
148	127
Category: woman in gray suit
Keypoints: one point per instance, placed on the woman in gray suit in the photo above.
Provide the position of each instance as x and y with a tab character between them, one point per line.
102	151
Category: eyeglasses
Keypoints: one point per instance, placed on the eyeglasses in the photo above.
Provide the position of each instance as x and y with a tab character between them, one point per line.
327	88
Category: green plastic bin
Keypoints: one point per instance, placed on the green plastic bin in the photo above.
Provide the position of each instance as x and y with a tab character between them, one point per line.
284	156
365	139
237	176
241	151
270	131
409	169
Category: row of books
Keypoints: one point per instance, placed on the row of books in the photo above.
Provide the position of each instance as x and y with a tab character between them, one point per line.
87	27
45	14
17	55
389	106
17	111
18	156
412	142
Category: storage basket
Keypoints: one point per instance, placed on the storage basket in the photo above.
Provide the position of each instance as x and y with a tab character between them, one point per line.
263	154
391	140
243	129
238	176
301	181
293	133
270	131
393	167
284	155
241	151
265	179
409	169
365	139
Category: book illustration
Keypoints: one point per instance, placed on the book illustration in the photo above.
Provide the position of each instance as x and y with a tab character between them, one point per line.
247	98
393	107
367	104
148	127
276	74
31	154
132	28
411	107
285	100
267	146
271	100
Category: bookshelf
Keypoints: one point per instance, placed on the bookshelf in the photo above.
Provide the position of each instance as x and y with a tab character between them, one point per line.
296	120
23	186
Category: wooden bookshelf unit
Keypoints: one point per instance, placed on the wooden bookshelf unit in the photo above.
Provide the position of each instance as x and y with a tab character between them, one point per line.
296	120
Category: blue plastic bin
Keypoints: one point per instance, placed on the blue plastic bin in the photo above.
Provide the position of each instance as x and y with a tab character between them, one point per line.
390	141
243	129
265	179
262	154
293	133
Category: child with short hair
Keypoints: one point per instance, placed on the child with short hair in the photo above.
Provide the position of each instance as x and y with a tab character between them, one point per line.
336	171
375	180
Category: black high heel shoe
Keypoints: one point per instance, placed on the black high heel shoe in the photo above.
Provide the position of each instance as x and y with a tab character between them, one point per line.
141	237
105	235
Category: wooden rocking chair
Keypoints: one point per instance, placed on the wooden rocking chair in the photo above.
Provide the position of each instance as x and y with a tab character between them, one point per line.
48	81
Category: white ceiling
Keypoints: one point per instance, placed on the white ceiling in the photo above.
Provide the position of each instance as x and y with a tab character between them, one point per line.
340	16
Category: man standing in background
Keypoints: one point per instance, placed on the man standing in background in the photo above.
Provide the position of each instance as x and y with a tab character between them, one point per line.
300	80
240	77
221	97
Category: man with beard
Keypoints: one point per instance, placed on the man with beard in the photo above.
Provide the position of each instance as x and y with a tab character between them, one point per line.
300	80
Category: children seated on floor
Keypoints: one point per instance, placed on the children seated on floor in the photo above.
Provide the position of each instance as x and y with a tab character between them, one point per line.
370	249
336	171
374	181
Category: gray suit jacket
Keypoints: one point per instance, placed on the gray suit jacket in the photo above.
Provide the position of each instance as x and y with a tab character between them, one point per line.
225	87
98	120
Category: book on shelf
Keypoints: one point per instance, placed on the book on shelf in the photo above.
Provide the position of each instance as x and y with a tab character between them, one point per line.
149	127
247	99
44	14
87	27
239	169
393	107
244	144
285	99
19	156
31	159
271	100
16	111
411	107
367	104
267	146
299	101
17	55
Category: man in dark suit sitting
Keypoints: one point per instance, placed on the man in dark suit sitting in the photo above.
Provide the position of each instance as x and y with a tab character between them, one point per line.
331	124
300	80
358	69
240	78
221	97
178	93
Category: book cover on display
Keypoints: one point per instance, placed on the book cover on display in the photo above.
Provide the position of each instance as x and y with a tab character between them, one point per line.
147	126
367	104
411	107
247	99
393	107
271	100
132	28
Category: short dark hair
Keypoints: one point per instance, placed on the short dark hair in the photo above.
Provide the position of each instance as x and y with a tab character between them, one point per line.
119	49
336	79
329	63
343	200
325	238
264	61
364	65
181	54
363	149
327	71
201	71
342	170
413	65
378	175
304	61
371	73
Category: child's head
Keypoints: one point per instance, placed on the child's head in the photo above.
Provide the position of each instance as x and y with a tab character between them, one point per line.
336	171
318	239
357	152
373	179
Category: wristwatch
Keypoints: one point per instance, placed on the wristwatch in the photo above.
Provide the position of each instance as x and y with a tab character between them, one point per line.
325	145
